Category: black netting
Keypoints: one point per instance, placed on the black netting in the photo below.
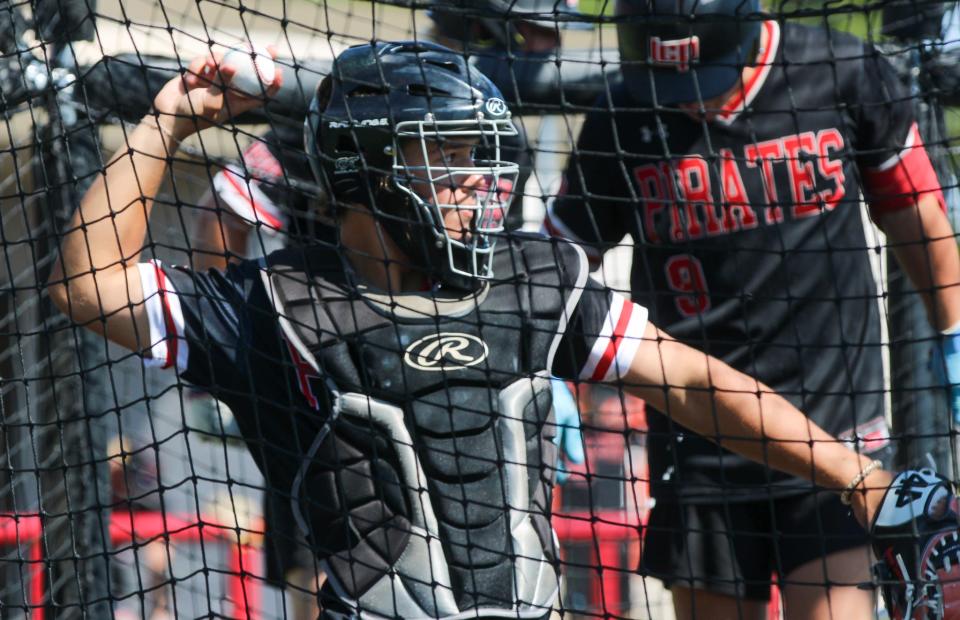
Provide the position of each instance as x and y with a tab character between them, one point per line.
259	356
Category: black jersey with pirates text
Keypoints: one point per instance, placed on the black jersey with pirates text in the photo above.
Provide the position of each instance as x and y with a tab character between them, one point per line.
749	236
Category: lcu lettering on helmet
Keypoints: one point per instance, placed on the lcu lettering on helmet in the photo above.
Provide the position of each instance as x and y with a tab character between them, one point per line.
380	95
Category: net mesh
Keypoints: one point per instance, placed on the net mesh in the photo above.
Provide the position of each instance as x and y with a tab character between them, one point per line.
126	491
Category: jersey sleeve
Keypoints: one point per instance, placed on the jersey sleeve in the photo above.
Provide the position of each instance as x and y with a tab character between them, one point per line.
894	165
588	208
252	190
601	336
196	322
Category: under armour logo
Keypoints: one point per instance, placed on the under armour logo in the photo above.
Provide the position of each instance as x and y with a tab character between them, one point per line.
647	134
676	53
446	351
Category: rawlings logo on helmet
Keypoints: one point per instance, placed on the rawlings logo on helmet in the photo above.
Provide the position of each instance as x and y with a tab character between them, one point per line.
675	53
495	106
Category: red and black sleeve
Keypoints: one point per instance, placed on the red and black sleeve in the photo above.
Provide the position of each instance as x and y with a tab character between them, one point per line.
894	166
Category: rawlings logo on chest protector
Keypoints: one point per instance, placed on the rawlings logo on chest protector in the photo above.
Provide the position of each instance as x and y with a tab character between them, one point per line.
445	351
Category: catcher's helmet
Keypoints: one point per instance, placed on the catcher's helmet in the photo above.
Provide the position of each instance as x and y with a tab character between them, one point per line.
377	98
679	51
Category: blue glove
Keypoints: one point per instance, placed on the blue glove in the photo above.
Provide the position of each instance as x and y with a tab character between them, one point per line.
568	438
947	368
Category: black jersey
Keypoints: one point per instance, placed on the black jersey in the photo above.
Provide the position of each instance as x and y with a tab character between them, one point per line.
272	188
749	237
411	433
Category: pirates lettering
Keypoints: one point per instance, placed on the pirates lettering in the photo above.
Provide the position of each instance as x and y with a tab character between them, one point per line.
694	198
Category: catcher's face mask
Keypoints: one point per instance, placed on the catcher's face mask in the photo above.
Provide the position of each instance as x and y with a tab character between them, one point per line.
454	174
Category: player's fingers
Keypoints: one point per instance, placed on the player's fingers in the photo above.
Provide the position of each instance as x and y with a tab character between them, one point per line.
207	75
277	84
191	77
227	72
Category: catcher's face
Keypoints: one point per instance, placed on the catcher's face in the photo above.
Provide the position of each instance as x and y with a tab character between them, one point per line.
444	173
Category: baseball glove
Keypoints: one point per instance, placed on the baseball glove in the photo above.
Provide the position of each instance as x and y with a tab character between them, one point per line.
915	537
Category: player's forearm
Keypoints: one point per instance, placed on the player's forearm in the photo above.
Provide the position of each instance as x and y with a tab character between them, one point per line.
748	418
107	231
924	244
724	405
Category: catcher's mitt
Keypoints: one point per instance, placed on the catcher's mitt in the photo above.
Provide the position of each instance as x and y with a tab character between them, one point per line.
915	537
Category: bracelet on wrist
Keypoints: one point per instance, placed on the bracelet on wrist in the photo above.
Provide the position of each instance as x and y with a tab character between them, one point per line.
846	496
154	122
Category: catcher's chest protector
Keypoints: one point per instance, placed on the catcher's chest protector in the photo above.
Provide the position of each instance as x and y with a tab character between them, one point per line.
428	492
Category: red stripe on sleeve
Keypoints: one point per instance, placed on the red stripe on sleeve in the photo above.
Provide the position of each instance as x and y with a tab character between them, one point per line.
903	184
247	195
172	340
610	353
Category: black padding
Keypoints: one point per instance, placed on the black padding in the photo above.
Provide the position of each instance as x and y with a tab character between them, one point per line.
461	458
483	546
483	586
475	503
464	410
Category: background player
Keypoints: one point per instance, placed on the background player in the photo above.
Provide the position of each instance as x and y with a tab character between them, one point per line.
380	489
748	143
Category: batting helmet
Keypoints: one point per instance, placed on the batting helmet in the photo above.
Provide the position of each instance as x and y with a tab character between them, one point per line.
678	51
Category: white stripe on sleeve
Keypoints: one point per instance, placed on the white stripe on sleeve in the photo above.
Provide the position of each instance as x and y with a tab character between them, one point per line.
602	343
629	343
156	353
163	312
620	337
912	134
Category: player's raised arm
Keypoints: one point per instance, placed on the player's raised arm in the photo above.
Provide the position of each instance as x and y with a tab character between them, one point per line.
96	280
743	415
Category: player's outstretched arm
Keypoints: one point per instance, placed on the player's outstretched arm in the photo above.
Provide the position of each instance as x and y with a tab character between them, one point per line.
96	281
712	399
